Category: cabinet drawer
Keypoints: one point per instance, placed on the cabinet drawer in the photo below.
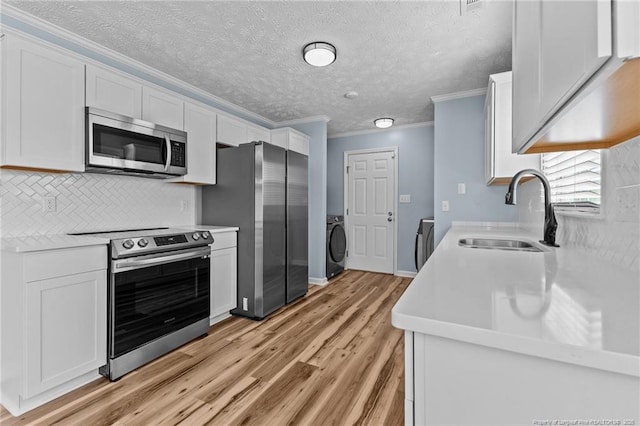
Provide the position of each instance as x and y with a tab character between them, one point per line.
57	263
224	240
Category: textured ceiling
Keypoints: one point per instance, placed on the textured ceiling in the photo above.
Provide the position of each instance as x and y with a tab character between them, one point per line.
396	55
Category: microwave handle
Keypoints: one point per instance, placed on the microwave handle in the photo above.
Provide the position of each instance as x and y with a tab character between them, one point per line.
167	144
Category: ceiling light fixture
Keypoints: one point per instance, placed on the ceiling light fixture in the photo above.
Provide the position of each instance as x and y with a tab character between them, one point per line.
319	54
383	123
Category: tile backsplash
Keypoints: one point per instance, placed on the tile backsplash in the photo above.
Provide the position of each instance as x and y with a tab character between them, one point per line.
89	202
613	235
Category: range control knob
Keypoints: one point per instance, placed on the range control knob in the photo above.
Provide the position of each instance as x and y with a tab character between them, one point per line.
206	235
196	236
143	242
127	244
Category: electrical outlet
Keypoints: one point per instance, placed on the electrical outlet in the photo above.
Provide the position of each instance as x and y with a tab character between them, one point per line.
405	198
49	203
245	304
445	206
462	188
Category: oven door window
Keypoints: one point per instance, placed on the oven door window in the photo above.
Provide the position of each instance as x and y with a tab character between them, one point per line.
154	301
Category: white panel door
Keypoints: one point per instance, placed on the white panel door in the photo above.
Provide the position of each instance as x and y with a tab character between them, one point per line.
370	211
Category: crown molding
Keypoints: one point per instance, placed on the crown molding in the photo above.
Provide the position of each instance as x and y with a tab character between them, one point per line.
304	120
83	44
458	95
371	131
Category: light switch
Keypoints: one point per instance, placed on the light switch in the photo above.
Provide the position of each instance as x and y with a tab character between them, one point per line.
462	188
405	198
445	206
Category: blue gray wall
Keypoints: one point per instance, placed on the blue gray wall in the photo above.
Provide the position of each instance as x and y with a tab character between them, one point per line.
415	177
317	132
459	158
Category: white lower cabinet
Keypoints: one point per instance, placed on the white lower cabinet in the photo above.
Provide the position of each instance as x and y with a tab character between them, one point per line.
500	387
224	275
54	323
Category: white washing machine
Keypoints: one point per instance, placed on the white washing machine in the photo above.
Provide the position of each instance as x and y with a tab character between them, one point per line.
336	245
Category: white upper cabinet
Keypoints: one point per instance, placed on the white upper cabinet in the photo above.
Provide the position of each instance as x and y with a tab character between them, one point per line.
200	125
255	133
575	41
500	163
291	139
162	108
113	92
574	86
42	107
231	131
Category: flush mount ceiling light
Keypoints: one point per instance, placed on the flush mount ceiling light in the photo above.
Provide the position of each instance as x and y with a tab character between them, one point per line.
383	123
319	54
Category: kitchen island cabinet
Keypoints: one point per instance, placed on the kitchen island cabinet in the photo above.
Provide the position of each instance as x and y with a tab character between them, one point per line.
517	336
53	322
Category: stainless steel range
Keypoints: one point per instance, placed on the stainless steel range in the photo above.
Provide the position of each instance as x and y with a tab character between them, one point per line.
158	294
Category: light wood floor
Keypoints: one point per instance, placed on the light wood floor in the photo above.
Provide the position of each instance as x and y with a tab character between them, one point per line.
330	358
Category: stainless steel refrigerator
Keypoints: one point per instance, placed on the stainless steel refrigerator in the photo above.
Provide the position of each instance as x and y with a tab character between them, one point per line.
262	189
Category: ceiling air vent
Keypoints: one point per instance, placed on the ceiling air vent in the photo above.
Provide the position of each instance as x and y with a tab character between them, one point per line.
468	5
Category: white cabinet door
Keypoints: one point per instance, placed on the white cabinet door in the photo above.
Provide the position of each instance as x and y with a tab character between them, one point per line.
258	134
162	108
500	163
557	47
113	92
200	125
290	139
526	76
299	143
576	40
231	131
42	107
223	280
66	329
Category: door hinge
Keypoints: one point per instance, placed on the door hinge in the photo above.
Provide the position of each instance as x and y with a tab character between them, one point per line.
393	155
347	169
347	212
347	255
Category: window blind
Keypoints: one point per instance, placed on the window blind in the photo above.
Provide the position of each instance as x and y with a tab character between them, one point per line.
575	178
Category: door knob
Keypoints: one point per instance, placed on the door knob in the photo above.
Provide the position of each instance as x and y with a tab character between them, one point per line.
389	219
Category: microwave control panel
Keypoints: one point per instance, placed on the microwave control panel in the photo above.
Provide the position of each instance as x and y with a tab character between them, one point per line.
178	154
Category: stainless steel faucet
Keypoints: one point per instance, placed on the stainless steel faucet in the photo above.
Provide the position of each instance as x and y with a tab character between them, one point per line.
550	223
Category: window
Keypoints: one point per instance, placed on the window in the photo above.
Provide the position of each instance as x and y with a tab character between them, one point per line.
575	179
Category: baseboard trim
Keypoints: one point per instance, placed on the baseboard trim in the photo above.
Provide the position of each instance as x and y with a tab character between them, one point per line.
406	274
318	281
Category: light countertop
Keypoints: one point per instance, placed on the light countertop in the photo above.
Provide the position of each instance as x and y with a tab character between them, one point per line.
61	241
49	242
213	229
562	304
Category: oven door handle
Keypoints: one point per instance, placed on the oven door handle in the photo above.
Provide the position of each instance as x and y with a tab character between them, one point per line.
128	264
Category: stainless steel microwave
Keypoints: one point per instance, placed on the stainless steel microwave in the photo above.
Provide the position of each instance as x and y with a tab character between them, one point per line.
125	145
